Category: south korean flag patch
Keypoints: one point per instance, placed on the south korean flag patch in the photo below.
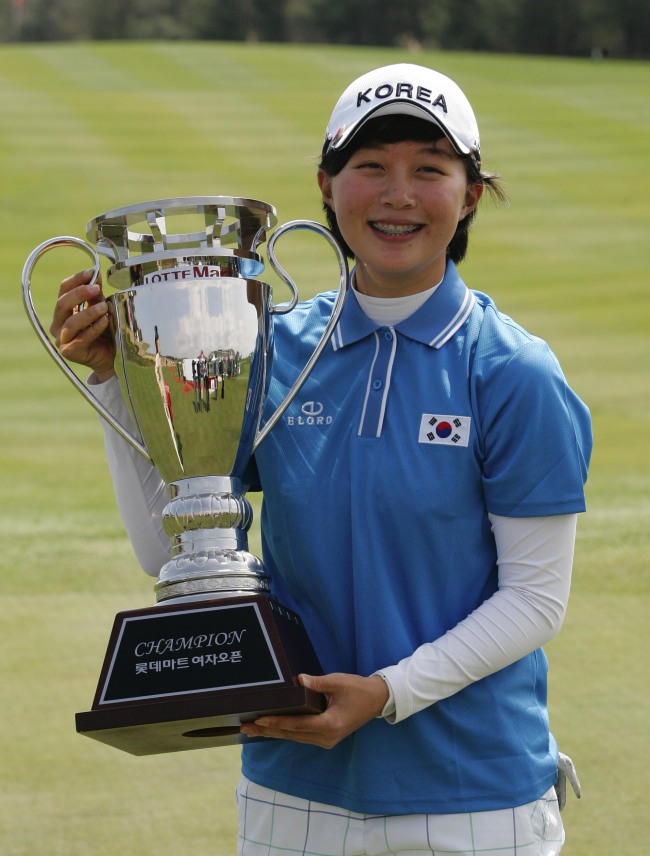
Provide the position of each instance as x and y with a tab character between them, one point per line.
439	430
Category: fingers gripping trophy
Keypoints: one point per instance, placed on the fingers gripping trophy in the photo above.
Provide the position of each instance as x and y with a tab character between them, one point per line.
193	331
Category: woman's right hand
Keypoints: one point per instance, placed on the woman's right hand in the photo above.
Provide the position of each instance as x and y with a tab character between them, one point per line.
84	335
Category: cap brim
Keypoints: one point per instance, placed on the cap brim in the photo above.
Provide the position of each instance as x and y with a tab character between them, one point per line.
397	107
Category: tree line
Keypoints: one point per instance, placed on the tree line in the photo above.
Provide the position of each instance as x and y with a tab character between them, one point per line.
618	28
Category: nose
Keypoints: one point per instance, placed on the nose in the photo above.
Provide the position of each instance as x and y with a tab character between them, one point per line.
397	191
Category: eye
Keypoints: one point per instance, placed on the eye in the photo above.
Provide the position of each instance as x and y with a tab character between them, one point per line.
368	164
430	169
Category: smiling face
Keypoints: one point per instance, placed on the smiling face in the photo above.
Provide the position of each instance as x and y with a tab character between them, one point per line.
398	205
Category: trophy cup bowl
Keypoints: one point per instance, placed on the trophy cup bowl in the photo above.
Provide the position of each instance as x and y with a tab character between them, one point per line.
193	329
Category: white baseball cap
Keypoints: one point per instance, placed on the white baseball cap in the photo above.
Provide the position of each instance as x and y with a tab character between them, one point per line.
407	90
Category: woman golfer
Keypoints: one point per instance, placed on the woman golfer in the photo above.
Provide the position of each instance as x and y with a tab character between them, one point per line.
423	528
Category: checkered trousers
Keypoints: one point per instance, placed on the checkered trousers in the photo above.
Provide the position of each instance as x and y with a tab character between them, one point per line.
275	824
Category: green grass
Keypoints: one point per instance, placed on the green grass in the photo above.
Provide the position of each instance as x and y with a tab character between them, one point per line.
87	128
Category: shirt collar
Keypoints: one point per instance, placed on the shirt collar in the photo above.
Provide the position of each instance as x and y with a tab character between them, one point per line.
433	324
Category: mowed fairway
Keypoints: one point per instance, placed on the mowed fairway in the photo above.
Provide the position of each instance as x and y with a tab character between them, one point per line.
87	128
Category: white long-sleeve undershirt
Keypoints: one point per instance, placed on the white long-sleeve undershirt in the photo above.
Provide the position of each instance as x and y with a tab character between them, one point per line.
534	557
140	491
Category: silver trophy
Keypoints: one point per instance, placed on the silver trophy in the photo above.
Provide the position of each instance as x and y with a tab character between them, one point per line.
193	328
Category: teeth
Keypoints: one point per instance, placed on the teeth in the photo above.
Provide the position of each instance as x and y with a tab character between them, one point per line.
390	229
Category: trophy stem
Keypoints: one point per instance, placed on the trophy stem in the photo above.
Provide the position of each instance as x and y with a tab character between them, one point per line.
207	519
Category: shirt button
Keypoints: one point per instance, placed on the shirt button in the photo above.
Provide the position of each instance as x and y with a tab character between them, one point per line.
377	384
388	336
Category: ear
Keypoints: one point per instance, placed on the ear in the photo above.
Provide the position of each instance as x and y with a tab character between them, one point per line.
472	198
325	185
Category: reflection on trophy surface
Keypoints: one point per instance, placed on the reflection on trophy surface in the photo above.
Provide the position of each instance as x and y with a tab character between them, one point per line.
194	343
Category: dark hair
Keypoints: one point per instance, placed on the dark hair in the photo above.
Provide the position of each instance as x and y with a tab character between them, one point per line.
396	129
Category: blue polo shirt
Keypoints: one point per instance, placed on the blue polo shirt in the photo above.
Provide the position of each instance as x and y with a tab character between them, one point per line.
377	485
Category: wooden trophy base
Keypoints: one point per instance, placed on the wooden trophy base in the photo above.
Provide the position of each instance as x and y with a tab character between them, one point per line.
185	676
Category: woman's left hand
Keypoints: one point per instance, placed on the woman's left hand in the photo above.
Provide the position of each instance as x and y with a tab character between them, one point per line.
351	702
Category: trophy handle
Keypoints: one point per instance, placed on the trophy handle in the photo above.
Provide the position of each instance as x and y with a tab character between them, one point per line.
35	255
312	226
